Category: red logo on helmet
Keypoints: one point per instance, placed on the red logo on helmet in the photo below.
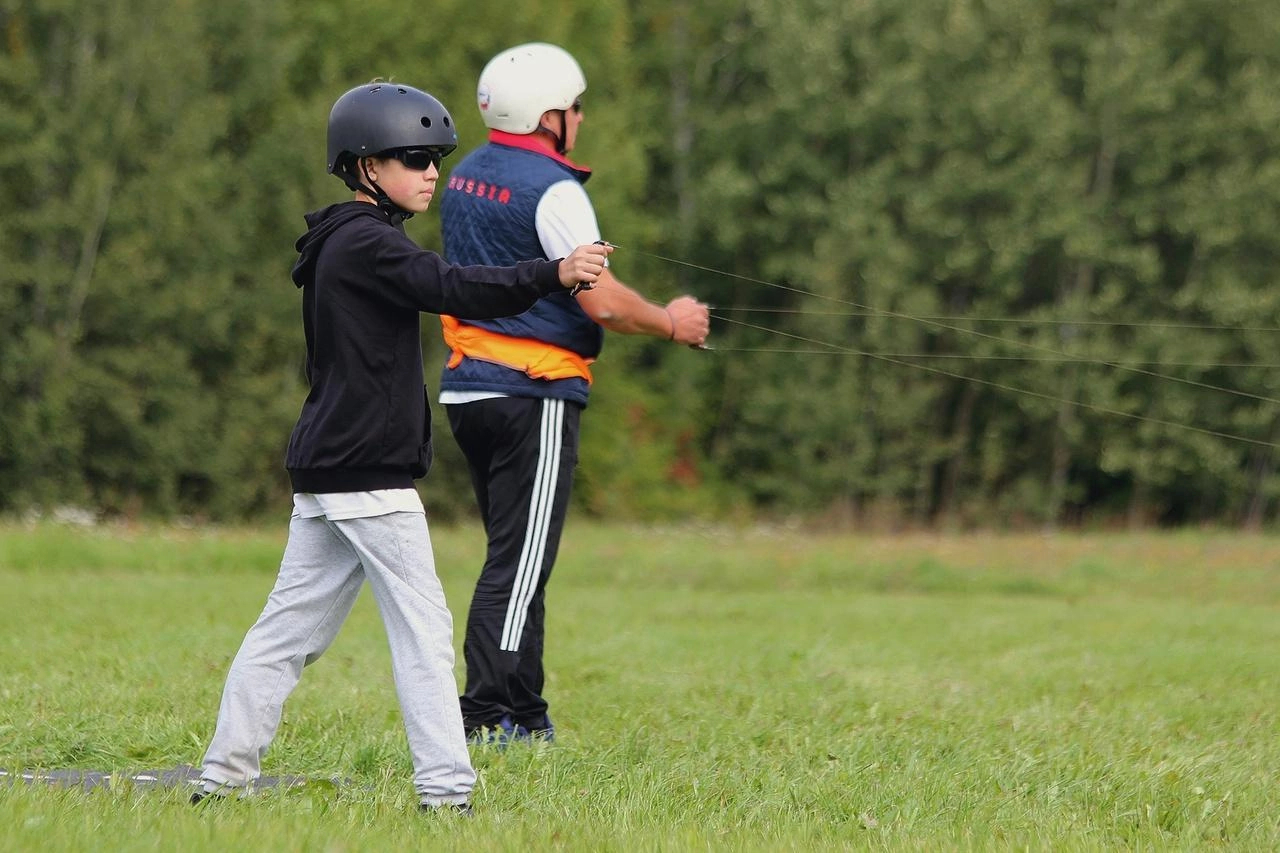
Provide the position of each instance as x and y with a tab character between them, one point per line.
483	97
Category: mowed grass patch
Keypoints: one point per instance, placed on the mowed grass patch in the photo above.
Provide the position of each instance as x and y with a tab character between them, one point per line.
731	689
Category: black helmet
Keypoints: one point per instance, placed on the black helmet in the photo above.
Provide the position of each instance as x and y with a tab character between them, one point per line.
379	117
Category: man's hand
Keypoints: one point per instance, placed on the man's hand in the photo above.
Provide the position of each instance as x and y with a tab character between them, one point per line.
584	265
690	321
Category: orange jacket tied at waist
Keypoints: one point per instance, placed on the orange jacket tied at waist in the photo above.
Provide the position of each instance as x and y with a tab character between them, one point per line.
534	358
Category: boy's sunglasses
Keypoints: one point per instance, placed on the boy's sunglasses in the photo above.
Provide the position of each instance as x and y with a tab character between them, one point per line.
576	106
420	159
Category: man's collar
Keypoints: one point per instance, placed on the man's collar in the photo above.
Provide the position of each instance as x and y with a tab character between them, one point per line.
527	142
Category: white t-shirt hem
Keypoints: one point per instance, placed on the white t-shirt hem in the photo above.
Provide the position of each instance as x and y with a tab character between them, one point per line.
343	506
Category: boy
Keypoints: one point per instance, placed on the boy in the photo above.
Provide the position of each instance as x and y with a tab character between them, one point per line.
363	437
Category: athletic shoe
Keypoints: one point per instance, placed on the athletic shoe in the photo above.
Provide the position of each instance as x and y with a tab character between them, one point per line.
506	732
544	731
499	734
200	796
460	809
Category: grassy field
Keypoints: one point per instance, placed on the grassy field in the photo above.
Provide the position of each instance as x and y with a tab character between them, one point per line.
712	689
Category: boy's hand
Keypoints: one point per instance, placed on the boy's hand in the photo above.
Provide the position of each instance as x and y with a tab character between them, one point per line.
584	265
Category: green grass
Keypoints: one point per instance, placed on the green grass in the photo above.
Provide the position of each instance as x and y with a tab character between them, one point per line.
712	689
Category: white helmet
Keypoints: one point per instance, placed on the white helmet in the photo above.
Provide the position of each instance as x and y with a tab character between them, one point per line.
521	83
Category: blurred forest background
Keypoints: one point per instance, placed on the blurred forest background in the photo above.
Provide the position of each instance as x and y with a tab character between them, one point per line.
974	263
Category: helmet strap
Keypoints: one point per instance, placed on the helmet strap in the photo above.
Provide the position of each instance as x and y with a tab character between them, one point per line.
558	137
397	213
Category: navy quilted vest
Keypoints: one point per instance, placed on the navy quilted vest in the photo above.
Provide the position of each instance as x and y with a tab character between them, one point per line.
487	217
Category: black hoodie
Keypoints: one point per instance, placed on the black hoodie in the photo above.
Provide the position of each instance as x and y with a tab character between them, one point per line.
365	423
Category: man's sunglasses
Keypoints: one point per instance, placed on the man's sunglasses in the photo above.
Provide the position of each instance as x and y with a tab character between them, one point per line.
420	159
576	106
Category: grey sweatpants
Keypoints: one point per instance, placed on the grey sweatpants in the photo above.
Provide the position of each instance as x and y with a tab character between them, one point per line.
325	563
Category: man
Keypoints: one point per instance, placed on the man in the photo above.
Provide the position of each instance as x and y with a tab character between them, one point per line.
514	388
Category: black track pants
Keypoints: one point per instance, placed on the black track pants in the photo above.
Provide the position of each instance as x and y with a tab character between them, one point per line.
521	452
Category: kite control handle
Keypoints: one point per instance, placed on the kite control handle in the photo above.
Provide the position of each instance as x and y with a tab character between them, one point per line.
586	285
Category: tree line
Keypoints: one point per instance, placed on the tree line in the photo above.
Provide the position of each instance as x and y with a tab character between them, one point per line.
972	262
